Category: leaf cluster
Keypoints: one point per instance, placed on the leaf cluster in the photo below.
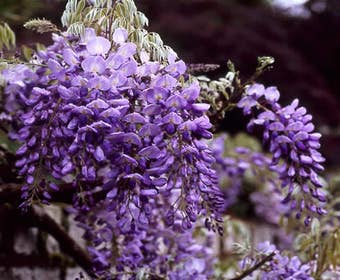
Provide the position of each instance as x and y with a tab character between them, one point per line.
322	244
107	15
7	37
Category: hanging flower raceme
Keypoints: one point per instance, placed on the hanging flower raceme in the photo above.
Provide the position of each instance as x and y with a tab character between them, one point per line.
288	131
94	115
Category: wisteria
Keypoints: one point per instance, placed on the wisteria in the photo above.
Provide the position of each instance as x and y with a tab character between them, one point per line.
106	122
288	132
241	163
280	266
233	168
239	166
155	249
113	119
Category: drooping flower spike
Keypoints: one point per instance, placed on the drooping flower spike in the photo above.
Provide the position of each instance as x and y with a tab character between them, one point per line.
289	134
96	117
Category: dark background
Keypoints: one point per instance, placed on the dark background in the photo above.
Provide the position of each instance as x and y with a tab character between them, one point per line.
306	49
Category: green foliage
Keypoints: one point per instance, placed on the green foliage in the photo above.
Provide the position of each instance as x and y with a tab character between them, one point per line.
7	144
224	93
217	92
107	15
7	37
322	243
27	52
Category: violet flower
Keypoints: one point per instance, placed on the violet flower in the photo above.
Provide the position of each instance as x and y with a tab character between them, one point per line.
94	109
290	136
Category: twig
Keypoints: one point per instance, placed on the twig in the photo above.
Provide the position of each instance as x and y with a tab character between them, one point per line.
200	68
36	217
255	267
11	193
23	260
15	61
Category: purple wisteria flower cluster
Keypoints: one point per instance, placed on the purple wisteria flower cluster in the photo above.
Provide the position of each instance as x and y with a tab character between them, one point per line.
241	163
239	166
290	135
232	168
109	120
280	266
155	249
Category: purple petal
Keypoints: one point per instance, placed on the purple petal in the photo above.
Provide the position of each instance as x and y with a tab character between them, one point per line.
295	126
112	194
100	82
98	45
129	68
99	154
54	66
192	92
256	90
117	79
172	118
201	107
64	92
70	57
272	94
149	192
276	126
111	112
148	130
301	136
94	64
127	50
120	35
165	81
114	61
134	118
151	152
98	104
175	101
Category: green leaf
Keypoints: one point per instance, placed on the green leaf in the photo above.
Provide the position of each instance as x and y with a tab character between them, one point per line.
40	47
7	37
315	227
77	28
27	52
6	143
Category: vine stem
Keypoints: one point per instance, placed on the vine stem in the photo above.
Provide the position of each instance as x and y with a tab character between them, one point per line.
255	267
9	61
36	217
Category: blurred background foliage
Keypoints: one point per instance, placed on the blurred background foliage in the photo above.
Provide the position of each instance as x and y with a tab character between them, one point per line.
303	39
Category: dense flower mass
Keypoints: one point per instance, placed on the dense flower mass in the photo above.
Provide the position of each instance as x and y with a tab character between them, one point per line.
156	249
96	114
110	122
279	267
288	131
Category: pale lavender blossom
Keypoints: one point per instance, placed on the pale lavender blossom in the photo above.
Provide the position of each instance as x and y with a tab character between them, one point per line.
290	136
